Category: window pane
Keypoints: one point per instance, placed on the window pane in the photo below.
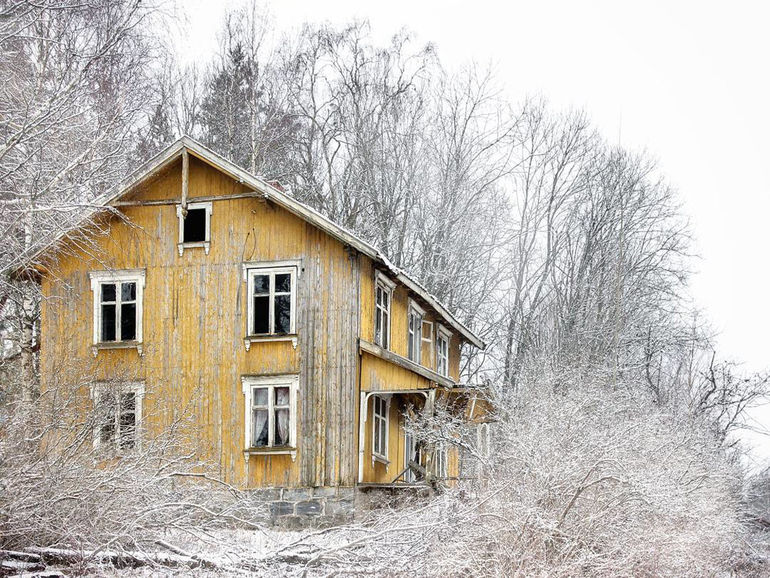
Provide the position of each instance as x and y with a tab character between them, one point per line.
107	433
281	396
260	396
261	284
383	434
282	313
283	283
106	416
108	292
108	322
127	420
127	322
128	292
260	426
378	327
261	314
281	434
384	330
195	226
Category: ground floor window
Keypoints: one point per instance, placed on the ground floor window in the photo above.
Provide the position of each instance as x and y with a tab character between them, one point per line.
270	411
380	424
440	459
117	414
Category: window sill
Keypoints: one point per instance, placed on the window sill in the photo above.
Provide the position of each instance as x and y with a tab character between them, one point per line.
380	458
275	451
96	347
205	244
248	340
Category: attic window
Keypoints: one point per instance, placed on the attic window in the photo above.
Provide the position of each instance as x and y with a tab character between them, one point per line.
194	226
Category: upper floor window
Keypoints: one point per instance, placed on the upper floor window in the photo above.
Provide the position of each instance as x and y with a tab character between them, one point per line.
118	414
271	415
380	425
427	343
272	299
443	337
194	226
383	297
117	306
414	336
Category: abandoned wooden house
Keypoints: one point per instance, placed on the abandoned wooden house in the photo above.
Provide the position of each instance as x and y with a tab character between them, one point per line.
295	345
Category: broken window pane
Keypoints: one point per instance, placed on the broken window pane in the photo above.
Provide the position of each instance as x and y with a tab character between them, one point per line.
195	226
282	314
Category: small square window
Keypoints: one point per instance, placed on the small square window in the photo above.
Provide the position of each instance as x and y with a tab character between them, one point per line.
194	226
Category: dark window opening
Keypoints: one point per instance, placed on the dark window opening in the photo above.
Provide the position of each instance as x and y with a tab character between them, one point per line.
194	225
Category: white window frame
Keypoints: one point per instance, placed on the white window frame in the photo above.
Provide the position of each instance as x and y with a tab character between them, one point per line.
414	331
376	418
442	334
98	388
206	243
251	382
250	270
440	460
388	287
99	278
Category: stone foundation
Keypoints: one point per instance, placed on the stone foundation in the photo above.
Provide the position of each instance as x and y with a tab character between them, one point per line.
302	507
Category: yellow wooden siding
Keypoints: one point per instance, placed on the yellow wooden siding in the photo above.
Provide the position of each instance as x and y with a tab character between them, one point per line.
399	320
195	319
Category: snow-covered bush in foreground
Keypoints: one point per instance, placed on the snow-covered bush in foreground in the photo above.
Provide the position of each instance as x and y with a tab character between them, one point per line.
587	481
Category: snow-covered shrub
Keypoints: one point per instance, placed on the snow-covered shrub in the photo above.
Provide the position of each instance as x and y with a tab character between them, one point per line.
60	489
585	479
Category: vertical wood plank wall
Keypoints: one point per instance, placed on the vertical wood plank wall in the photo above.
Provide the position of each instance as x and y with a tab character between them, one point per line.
195	319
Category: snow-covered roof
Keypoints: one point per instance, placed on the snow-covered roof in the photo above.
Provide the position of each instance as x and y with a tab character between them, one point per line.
268	191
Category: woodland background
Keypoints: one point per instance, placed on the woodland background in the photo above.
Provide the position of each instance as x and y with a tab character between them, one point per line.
617	446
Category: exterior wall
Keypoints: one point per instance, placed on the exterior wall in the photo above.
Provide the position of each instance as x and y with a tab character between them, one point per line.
195	320
399	321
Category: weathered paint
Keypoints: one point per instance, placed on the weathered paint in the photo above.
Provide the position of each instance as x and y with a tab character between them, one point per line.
195	319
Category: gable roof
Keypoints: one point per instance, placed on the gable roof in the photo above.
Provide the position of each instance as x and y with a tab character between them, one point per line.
270	192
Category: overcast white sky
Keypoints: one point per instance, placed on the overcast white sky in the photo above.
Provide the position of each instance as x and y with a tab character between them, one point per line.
685	80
